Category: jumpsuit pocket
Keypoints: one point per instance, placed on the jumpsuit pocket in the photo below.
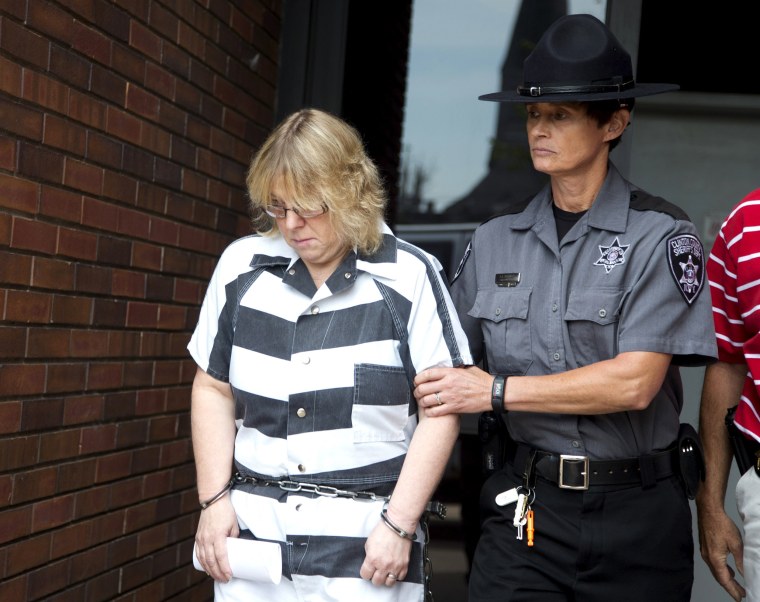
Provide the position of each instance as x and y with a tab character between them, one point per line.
503	315
381	403
592	317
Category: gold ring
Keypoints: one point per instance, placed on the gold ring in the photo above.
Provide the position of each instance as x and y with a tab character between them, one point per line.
438	398
392	576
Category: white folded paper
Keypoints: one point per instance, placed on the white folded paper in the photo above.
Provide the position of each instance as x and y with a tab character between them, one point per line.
252	559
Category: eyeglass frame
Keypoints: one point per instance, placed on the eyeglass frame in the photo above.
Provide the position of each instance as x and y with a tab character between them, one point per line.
303	214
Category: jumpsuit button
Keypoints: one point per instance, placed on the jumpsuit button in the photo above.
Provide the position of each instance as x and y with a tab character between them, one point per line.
315	310
306	360
602	313
301	468
556	356
291	271
301	413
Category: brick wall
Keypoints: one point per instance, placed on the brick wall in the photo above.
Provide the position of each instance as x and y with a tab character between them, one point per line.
125	130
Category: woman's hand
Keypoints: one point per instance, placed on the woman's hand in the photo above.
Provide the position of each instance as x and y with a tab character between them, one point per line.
387	556
217	523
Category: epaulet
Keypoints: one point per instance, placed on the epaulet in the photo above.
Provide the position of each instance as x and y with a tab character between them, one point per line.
512	208
643	201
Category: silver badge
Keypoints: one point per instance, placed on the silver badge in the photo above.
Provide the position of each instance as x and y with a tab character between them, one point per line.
612	255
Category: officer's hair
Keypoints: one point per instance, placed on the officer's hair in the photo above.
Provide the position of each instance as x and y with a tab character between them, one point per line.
602	111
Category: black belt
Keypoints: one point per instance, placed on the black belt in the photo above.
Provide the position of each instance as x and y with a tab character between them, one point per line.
578	472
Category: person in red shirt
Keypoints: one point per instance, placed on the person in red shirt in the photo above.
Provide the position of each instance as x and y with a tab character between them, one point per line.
733	270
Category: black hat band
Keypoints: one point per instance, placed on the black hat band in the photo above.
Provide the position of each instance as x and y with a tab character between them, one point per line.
535	91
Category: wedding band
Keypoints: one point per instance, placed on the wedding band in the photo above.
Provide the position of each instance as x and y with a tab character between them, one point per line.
438	398
392	576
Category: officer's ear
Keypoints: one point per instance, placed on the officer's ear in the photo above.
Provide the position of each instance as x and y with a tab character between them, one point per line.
617	123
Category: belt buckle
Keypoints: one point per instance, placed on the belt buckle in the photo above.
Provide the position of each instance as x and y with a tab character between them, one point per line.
562	459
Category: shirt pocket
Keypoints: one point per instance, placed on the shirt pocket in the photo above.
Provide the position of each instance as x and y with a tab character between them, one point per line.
503	315
592	322
381	403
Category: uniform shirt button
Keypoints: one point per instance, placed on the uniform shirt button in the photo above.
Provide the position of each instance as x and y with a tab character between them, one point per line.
301	468
315	310
291	271
301	413
554	307
556	356
347	275
602	313
498	311
576	444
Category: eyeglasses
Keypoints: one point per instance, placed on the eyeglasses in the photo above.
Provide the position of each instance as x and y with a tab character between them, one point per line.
280	212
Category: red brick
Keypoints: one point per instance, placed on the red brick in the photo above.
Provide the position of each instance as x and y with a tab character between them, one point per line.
51	20
69	67
98	438
27	306
123	125
164	231
142	102
15	523
145	255
160	81
34	236
21	120
108	312
99	214
65	135
46	92
150	402
146	460
18	452
63	204
48	343
134	223
120	187
91	43
48	579
89	110
83	176
138	374
124	344
80	410
188	291
128	63
65	378
93	279
29	553
142	315
92	502
59	445
72	310
132	434
113	467
53	274
105	376
18	193
23	43
87	564
10	77
40	163
77	244
72	538
6	490
34	484
76	475
159	288
127	283
10	417
88	344
157	140
104	151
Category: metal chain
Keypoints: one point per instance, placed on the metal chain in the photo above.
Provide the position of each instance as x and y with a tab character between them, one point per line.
433	508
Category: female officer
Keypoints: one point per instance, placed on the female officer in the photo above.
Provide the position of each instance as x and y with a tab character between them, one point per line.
584	300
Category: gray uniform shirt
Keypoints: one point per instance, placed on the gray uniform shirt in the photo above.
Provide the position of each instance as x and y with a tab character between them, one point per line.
628	276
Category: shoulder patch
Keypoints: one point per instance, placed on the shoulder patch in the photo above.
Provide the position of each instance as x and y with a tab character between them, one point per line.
687	265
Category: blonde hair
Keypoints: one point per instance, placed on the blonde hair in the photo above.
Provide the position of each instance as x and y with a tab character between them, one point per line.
320	160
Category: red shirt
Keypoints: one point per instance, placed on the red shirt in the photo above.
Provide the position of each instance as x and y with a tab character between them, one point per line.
733	270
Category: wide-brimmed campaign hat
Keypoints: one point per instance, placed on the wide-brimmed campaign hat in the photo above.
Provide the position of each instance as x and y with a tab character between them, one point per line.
578	59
